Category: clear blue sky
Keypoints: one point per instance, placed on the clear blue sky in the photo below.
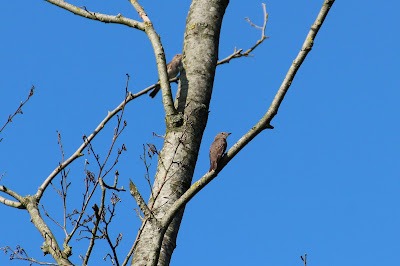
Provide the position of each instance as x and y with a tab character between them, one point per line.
324	182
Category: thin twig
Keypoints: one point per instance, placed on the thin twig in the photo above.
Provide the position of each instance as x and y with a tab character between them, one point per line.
97	213
64	185
106	235
147	175
86	198
2	175
304	259
87	140
238	53
114	187
90	178
18	111
51	218
18	254
100	212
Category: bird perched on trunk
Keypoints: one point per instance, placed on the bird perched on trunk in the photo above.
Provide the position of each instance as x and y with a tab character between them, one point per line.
217	149
173	68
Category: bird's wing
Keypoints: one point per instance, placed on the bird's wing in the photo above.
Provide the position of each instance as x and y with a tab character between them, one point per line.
220	148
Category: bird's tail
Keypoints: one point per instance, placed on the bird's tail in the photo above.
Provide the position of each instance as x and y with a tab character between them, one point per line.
213	166
155	91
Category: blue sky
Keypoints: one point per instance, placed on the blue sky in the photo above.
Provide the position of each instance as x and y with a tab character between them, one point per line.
324	182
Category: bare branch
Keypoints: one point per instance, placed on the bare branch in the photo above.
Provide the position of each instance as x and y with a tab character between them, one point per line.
64	189
100	212
2	175
139	200
110	115
61	146
146	90
63	192
20	254
114	187
127	99
100	216
16	204
304	259
97	213
235	54
106	235
89	178
50	245
18	111
238	53
83	12
51	218
123	148
11	203
111	258
147	166
160	59
78	153
264	123
253	25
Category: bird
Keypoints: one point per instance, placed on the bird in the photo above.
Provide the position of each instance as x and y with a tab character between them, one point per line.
217	149
173	68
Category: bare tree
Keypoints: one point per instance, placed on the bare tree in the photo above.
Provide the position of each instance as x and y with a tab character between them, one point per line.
186	119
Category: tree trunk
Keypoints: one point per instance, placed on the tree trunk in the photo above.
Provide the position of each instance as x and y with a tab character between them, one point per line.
177	159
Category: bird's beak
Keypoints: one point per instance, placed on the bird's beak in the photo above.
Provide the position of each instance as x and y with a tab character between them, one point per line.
229	134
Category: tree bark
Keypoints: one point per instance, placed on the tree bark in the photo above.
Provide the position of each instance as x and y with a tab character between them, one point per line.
177	159
50	245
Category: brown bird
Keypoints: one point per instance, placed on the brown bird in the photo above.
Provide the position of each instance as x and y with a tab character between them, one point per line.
173	68
217	149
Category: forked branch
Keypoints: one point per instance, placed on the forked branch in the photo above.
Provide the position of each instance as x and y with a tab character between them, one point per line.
238	53
131	96
304	259
264	123
16	204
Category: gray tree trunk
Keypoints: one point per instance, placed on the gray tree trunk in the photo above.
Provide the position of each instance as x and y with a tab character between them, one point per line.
177	159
